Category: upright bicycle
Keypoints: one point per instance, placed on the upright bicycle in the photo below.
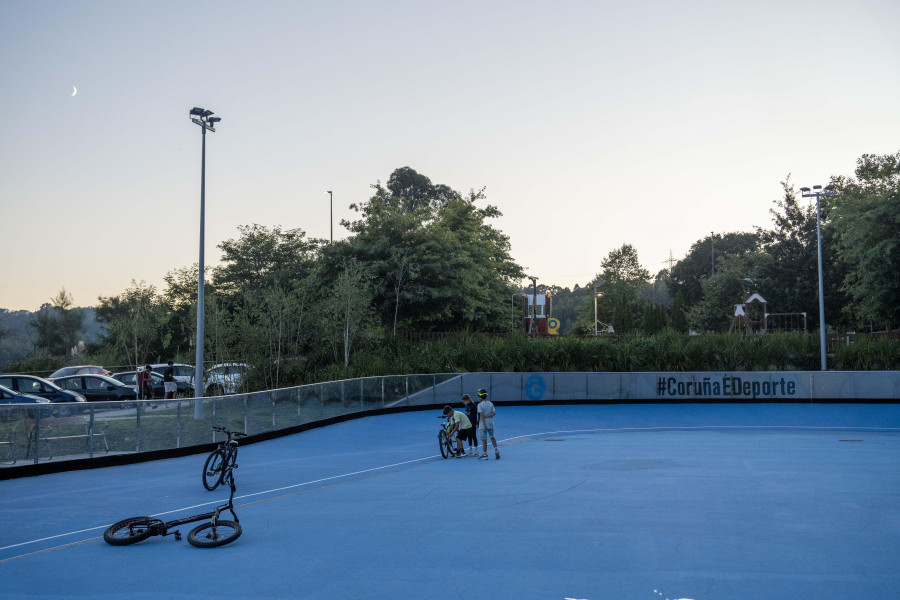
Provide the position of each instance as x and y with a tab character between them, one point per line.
215	532
222	459
446	441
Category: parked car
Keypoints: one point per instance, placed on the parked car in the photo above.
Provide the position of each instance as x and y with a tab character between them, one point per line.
183	373
185	390
81	370
29	384
8	396
224	378
97	388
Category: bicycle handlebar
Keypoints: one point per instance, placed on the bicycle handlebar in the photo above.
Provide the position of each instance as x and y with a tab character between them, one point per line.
231	433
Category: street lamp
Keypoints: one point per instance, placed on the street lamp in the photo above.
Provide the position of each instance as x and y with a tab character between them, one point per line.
205	120
331	215
512	310
597	294
817	192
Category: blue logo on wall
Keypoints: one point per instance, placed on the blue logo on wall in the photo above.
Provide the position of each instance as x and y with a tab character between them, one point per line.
535	387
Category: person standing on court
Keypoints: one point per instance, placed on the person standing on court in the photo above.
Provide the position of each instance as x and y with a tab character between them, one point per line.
169	382
472	413
486	413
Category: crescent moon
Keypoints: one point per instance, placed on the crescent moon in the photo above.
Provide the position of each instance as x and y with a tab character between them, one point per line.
74	90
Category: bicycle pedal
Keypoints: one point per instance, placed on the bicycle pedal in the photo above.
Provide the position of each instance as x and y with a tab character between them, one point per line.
177	535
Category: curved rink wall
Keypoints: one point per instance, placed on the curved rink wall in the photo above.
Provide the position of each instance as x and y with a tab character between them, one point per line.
44	439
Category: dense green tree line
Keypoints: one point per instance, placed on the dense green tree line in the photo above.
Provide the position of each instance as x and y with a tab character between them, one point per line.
423	257
861	255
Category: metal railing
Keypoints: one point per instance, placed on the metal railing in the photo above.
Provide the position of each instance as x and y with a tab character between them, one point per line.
32	434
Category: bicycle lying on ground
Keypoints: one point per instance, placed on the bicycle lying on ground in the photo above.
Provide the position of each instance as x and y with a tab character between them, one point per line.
213	533
222	459
446	441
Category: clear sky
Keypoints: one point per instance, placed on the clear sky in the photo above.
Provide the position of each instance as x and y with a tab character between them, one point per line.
591	124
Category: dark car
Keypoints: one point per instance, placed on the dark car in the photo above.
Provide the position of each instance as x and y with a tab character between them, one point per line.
130	378
79	370
35	386
96	388
8	396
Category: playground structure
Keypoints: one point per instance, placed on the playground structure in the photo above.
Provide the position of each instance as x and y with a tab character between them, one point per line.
743	320
752	316
537	309
786	321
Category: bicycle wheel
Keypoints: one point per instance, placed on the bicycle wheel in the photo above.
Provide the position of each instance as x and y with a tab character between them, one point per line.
445	443
208	535
128	531
214	469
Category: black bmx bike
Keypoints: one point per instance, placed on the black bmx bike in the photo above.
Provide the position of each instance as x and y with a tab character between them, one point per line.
222	459
446	441
214	532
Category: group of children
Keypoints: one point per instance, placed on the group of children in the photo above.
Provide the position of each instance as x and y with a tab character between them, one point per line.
482	415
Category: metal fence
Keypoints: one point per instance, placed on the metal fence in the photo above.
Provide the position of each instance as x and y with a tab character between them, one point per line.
33	434
52	432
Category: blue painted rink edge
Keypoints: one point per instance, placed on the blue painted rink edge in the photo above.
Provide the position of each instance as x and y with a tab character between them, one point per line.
588	501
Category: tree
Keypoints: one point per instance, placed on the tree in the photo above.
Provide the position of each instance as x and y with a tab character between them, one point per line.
434	261
729	286
263	258
412	191
790	280
678	322
624	277
688	274
866	223
56	326
133	324
345	312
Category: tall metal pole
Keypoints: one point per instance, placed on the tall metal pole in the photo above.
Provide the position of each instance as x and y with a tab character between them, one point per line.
331	217
198	369
821	292
712	250
818	191
205	119
595	311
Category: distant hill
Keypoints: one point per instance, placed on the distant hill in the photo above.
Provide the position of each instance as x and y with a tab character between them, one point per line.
16	339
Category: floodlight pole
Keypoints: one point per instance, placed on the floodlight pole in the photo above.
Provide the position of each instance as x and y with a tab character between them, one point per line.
330	216
828	191
597	294
202	118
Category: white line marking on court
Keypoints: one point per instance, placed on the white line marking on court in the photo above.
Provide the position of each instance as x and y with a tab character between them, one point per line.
270	491
507	440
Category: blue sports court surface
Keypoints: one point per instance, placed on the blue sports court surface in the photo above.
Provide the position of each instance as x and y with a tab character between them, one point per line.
625	502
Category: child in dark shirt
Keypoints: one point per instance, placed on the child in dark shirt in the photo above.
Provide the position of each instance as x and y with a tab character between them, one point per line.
472	413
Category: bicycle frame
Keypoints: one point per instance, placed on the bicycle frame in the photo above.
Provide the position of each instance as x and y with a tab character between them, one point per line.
213	516
214	470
